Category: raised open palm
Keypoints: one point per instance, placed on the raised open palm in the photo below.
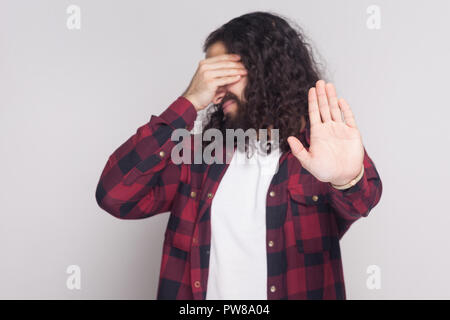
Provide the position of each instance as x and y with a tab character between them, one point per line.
336	150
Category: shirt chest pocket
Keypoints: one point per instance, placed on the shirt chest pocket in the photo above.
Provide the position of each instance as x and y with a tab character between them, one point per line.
182	220
311	220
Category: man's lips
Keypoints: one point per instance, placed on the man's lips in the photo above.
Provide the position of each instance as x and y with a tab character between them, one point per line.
226	104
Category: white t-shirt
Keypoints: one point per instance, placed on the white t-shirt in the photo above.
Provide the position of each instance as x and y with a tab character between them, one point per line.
238	253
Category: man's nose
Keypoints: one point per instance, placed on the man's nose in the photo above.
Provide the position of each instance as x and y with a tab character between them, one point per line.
221	92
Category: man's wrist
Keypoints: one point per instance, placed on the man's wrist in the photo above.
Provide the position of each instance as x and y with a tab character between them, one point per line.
351	183
193	102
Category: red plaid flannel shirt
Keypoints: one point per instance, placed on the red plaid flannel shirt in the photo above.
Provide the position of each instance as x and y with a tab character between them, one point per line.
305	217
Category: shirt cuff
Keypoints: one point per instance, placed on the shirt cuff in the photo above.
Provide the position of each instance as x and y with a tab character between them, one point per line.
181	114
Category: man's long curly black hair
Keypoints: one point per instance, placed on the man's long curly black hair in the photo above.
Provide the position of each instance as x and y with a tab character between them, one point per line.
281	69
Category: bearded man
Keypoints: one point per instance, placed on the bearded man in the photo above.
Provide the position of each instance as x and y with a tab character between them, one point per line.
264	229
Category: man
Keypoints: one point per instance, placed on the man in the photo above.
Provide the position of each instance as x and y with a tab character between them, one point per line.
248	232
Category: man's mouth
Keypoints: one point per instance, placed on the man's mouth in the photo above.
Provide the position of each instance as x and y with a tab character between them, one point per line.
227	104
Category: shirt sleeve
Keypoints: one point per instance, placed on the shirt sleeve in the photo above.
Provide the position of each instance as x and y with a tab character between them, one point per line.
355	202
139	179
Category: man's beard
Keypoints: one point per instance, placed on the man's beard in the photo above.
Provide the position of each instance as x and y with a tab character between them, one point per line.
238	119
234	120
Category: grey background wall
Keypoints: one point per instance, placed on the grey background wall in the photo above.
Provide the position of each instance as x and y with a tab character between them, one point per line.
69	98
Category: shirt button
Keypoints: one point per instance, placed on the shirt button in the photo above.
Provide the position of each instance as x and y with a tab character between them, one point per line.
162	154
270	243
210	195
197	284
273	289
315	198
193	194
272	194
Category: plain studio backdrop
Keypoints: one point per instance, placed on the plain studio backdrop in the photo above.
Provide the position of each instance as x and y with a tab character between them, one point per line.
70	97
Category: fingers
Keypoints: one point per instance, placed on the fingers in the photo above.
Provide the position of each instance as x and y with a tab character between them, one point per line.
324	105
299	151
333	103
313	107
348	114
218	73
223	64
222	57
226	80
323	101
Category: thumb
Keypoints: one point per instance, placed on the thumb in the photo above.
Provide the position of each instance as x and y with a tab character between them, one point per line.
299	151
